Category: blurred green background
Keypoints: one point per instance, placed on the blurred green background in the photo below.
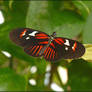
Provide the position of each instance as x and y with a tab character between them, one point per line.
20	72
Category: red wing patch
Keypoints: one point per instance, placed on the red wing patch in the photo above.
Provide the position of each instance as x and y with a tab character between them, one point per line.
52	45
59	41
75	46
44	42
23	33
42	36
50	54
33	50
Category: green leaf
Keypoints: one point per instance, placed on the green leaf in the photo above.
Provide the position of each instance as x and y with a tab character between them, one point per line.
14	18
83	8
87	35
88	4
10	81
45	16
3	58
80	77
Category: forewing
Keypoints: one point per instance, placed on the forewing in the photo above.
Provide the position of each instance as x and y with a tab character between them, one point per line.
27	37
63	48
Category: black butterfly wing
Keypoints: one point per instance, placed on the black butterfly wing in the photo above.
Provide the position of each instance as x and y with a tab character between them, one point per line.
31	40
63	48
26	37
35	42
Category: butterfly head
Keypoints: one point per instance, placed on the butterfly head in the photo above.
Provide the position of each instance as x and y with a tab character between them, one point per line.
53	34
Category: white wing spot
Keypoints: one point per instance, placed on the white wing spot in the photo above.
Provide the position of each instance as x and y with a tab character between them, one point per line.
66	48
27	38
73	47
33	33
24	33
67	42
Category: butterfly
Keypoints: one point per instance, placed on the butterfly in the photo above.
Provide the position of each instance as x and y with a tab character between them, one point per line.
36	43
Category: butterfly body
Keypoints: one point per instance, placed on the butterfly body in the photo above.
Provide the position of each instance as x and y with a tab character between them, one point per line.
52	48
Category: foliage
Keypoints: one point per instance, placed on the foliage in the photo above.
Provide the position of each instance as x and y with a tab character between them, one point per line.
71	19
